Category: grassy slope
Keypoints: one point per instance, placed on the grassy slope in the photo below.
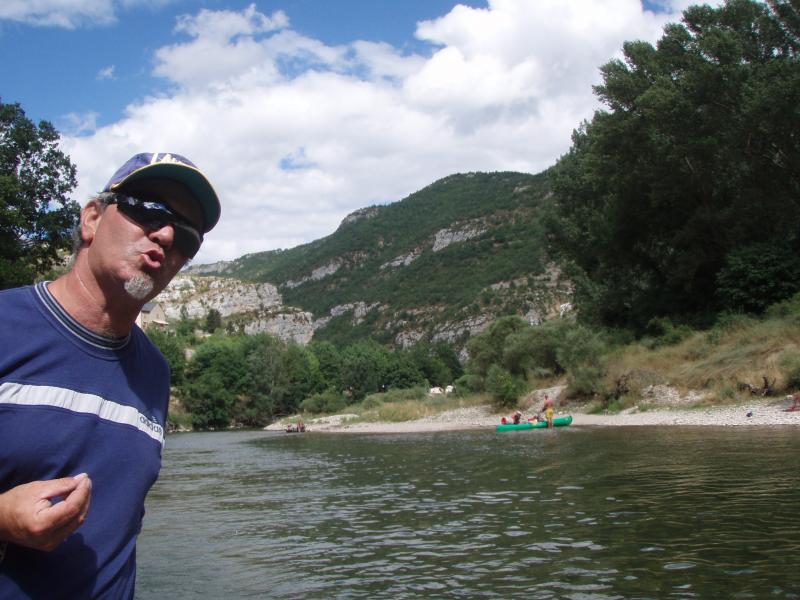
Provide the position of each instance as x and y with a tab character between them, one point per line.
718	361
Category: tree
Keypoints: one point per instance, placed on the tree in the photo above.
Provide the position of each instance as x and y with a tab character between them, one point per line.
216	378
36	216
757	276
697	155
330	364
173	351
213	320
504	387
401	371
364	367
486	349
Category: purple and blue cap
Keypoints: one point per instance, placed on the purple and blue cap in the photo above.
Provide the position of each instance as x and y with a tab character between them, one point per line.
168	165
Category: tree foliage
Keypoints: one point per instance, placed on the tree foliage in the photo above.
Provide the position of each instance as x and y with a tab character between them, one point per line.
757	275
173	351
36	215
511	351
697	156
213	320
250	380
503	386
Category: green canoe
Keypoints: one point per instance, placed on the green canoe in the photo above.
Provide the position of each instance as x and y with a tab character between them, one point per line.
557	422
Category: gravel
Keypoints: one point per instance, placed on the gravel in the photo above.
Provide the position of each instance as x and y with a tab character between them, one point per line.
660	405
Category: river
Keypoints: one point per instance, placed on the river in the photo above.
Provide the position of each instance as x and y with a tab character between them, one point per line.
616	512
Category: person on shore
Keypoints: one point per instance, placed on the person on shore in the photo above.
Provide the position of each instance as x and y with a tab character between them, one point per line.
549	410
83	391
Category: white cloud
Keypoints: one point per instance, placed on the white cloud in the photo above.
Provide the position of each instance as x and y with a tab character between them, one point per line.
71	14
68	14
106	73
295	134
78	124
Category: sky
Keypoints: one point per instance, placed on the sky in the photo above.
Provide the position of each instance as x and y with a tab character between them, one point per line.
302	111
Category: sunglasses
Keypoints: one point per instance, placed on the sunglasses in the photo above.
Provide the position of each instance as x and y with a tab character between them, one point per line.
153	215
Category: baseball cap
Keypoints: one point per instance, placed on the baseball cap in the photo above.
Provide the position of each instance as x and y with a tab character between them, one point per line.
173	166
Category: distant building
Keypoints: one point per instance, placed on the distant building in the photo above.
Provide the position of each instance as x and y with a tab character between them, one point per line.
152	314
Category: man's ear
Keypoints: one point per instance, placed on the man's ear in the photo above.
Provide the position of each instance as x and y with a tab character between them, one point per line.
91	215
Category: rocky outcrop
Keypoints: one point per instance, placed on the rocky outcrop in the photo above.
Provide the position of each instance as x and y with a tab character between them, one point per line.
451	332
360	214
403	260
220	267
229	296
359	310
287	325
318	273
350	260
444	237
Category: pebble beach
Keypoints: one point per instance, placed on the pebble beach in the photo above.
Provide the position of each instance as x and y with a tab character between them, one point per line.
660	406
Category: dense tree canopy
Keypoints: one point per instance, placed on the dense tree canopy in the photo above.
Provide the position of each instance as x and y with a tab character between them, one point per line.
697	157
36	216
249	380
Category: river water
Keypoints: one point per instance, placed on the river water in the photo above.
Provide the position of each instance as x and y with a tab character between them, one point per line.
634	512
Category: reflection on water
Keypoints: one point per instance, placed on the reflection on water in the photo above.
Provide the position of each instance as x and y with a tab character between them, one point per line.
569	513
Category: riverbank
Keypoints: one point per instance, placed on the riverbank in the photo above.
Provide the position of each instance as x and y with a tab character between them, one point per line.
665	407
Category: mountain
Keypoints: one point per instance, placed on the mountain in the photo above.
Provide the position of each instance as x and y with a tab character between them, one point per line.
440	264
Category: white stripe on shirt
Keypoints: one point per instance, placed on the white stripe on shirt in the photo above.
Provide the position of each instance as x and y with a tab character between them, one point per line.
46	395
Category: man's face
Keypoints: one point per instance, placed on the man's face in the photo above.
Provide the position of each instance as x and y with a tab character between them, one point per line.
143	260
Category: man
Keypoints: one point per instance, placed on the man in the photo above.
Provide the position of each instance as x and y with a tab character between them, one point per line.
549	410
84	393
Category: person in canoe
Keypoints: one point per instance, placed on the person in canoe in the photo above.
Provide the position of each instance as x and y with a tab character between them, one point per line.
549	410
516	419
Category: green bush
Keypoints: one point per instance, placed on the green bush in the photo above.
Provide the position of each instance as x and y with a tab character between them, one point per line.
733	321
503	386
173	350
662	332
785	308
586	379
372	401
471	382
758	275
329	401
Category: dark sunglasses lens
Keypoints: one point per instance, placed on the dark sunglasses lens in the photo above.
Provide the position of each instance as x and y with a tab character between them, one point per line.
185	241
151	215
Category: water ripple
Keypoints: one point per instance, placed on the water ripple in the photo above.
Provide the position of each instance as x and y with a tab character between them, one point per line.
587	514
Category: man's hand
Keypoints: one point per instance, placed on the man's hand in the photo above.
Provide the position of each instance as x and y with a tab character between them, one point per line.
28	517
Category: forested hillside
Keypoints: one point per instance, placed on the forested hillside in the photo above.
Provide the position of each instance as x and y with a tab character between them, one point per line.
467	246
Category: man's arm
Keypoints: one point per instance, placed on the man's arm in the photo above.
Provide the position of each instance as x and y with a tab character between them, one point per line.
28	517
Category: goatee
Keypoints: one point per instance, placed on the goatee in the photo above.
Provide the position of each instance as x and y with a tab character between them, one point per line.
139	287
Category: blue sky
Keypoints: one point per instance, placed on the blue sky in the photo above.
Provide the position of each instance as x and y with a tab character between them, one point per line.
301	111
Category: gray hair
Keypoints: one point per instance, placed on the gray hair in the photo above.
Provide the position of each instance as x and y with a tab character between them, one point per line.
103	199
